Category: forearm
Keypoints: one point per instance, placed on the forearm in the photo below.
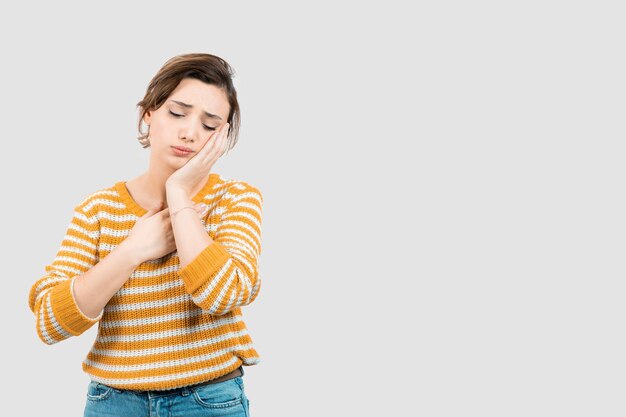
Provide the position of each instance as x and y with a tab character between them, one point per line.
189	232
221	274
94	288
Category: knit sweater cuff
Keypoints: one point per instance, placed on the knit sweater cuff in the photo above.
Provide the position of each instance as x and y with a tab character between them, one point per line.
66	311
204	266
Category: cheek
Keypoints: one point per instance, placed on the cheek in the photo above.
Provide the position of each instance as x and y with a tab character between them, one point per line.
160	130
202	143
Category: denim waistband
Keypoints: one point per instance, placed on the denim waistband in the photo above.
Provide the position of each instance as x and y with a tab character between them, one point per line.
186	389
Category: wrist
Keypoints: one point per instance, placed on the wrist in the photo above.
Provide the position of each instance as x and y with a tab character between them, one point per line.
129	254
178	199
173	189
173	213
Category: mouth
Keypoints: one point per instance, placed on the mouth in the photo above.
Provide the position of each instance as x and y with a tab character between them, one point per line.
181	150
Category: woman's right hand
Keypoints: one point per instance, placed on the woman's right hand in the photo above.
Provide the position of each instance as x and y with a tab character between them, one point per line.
152	236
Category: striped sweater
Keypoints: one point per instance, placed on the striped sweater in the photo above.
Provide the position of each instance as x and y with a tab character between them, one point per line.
167	326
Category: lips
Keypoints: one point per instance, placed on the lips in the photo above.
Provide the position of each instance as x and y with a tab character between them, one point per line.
182	148
178	151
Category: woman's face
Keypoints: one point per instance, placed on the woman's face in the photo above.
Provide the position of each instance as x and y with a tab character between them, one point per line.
182	121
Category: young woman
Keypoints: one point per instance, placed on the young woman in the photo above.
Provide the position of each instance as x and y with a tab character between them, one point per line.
164	262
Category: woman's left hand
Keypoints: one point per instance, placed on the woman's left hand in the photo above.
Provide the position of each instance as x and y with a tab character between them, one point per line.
189	176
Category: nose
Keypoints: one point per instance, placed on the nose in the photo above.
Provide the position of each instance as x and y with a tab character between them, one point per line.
190	131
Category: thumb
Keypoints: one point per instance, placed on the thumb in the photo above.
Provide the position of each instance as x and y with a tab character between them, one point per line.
155	208
201	209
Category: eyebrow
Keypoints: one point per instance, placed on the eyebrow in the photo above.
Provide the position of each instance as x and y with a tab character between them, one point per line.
189	106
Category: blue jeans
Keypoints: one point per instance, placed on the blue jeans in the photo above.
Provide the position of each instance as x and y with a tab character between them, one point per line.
226	398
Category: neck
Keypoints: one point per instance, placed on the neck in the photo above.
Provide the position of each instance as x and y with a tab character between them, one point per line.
152	184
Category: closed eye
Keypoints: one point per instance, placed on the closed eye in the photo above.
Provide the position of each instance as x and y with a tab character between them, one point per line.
181	115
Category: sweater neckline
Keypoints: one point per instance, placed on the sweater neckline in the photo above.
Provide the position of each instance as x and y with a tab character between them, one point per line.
134	207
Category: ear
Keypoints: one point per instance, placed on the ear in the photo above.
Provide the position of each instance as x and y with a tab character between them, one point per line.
147	117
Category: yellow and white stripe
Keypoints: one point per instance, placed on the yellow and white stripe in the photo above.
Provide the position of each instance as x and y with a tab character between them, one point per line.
166	327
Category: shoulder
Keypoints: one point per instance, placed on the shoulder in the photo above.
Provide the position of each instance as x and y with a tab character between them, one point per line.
90	202
236	189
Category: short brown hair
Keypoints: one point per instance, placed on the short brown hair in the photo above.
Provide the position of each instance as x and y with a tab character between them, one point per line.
208	68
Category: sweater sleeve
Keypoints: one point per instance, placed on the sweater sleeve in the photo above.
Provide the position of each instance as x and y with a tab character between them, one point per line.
224	275
51	297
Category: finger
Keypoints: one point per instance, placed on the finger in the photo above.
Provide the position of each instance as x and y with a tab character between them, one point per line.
152	210
202	209
216	147
224	139
163	210
224	146
206	148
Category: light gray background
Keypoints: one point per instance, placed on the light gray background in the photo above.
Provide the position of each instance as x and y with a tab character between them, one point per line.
443	229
